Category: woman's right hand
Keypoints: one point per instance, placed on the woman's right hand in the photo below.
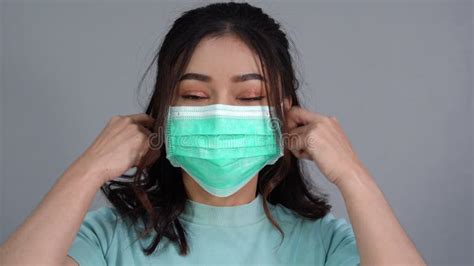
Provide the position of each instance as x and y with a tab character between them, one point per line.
47	234
121	145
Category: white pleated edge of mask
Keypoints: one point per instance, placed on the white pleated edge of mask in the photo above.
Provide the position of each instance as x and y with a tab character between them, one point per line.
221	110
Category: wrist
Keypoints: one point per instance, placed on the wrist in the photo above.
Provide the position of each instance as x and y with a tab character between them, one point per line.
357	176
87	173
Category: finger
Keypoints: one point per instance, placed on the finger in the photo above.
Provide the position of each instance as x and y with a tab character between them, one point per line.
145	131
142	119
145	147
295	143
297	138
299	116
301	154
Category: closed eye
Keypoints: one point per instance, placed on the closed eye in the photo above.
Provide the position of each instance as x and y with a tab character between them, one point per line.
252	99
193	97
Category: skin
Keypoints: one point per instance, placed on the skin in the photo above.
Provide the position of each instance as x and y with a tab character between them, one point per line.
47	233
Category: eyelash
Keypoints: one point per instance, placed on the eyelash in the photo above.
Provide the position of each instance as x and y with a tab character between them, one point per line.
194	97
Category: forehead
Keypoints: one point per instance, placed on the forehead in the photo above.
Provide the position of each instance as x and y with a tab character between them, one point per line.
223	57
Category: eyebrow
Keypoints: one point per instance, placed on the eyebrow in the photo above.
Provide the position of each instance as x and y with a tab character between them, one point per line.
236	78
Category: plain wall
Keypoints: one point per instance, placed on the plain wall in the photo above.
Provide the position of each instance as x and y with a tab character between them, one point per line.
2	105
398	76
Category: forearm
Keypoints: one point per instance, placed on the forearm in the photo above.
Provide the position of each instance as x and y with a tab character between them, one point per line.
45	236
380	237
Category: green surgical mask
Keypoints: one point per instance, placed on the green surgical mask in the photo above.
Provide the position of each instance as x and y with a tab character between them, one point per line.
222	146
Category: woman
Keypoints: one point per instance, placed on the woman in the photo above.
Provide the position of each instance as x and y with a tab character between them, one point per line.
218	176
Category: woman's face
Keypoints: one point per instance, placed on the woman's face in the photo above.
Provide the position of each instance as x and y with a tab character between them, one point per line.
222	71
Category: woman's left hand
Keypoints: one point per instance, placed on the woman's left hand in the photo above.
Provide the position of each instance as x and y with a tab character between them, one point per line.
321	139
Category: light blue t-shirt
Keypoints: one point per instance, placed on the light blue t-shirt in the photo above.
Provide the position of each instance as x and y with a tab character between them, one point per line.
232	235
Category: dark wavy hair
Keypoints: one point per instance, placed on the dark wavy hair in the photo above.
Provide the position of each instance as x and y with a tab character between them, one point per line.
155	193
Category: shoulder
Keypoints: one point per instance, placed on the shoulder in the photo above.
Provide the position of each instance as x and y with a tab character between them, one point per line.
99	226
332	229
286	215
323	225
339	241
330	223
334	235
102	220
94	237
105	214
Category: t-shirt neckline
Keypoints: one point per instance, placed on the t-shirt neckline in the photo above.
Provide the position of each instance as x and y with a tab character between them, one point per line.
237	215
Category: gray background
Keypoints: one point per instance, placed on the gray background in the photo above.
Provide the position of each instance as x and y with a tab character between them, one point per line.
397	74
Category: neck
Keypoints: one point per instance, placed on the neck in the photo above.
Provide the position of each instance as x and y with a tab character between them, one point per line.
196	193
